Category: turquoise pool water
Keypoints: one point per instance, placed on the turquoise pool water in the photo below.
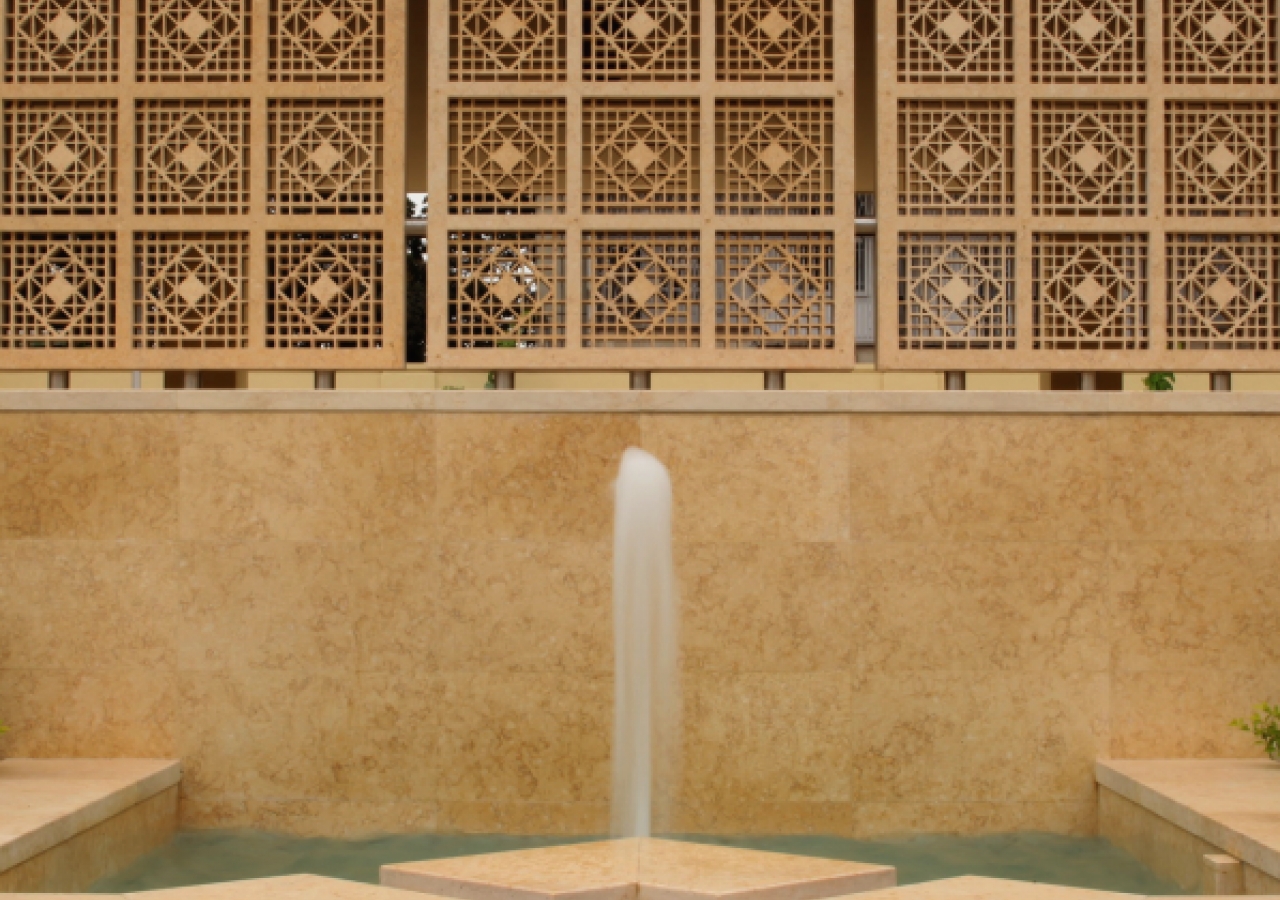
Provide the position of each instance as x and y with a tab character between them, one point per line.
201	857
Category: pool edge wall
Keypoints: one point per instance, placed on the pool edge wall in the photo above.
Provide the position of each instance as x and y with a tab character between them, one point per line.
1165	848
103	849
360	613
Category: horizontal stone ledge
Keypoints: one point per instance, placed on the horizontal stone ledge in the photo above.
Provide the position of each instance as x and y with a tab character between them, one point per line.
883	402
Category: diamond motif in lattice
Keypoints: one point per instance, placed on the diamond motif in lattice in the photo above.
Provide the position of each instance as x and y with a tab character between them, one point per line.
776	37
61	161
327	36
507	290
638	296
1087	37
775	157
195	38
325	158
1089	293
631	37
324	292
778	297
641	157
1084	162
1215	39
956	36
195	158
193	289
959	297
58	291
959	160
508	157
62	40
1225	295
506	36
1222	161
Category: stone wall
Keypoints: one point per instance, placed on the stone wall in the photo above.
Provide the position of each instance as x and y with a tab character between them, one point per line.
347	622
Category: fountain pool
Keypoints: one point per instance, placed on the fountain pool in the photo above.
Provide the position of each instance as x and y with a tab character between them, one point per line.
200	857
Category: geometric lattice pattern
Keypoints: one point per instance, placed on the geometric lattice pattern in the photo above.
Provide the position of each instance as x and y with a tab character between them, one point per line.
507	290
775	291
507	156
1222	291
640	40
641	157
174	102
508	40
1090	81
1220	42
775	157
774	40
193	157
61	41
1222	159
1090	157
1087	41
955	291
60	158
191	291
641	289
324	290
955	41
327	40
194	40
325	157
631	194
57	291
1090	291
955	157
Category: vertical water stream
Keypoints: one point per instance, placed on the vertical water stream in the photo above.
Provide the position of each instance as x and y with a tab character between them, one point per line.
645	622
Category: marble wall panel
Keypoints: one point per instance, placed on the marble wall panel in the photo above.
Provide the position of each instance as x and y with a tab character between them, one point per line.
1194	478
529	477
307	476
92	476
348	623
755	478
979	478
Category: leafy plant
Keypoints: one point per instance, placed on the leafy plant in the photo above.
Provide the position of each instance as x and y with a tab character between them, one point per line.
1264	725
1159	381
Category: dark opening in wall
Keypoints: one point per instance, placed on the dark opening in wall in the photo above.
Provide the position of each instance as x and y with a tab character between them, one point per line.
206	381
1075	381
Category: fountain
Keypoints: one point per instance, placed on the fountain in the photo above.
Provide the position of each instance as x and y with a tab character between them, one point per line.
636	866
645	618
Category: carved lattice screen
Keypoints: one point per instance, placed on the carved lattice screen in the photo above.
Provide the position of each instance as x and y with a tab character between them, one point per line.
199	184
641	184
1079	184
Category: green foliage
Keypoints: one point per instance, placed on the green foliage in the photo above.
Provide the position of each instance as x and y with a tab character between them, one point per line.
1264	725
2	728
1159	381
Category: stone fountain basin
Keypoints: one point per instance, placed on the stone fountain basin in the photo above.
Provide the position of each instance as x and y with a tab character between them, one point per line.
638	869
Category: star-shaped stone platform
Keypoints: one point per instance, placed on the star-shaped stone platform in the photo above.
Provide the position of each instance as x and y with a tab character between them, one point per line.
644	869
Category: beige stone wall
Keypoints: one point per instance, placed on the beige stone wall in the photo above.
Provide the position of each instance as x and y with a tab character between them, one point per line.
352	622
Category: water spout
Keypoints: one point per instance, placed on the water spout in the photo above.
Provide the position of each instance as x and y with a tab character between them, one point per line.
646	692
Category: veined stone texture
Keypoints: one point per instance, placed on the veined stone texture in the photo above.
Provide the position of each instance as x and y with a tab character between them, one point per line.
862	655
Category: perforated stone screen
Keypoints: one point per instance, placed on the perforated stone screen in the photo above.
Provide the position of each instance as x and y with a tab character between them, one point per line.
1078	184
202	184
641	184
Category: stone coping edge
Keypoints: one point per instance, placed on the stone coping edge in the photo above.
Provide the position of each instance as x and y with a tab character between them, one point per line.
914	402
1244	848
32	843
